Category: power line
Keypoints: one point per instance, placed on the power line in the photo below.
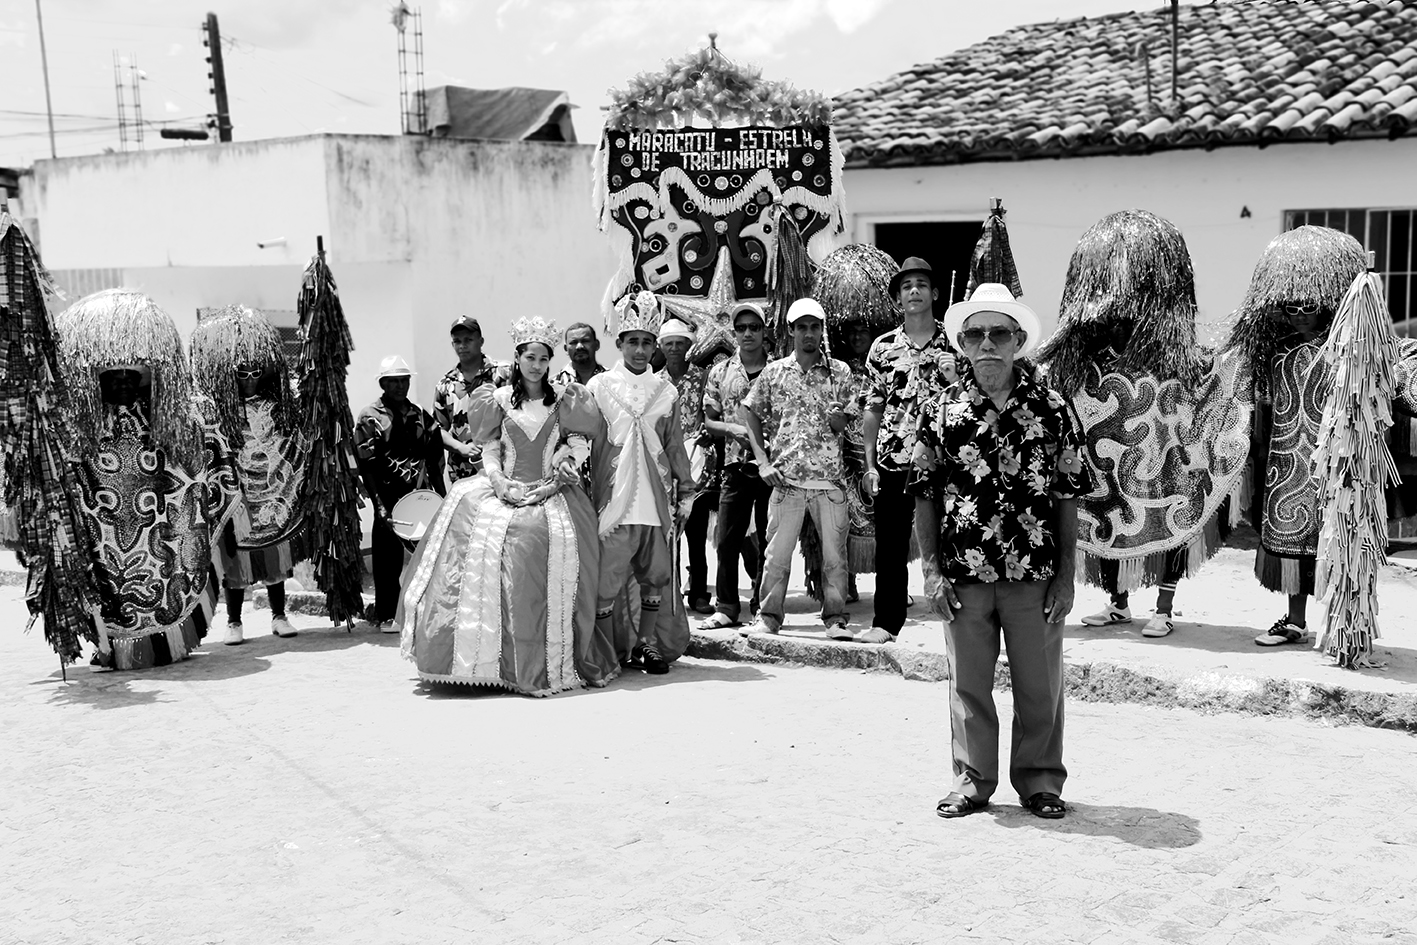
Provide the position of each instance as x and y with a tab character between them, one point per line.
236	44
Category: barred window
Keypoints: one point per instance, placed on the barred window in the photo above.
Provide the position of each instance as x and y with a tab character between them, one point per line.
1390	235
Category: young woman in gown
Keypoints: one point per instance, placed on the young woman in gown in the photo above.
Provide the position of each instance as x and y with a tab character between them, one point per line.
501	591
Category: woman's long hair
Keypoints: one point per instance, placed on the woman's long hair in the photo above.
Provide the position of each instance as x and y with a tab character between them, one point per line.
519	382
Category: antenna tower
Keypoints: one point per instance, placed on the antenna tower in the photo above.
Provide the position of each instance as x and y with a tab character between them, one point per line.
413	106
125	82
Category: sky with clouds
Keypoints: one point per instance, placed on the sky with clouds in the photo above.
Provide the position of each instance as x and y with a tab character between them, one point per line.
305	66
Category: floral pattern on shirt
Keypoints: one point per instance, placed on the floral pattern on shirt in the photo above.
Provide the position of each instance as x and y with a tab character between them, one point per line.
727	386
792	406
996	478
451	402
906	380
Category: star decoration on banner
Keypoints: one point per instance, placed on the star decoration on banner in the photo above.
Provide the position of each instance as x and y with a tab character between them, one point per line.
708	314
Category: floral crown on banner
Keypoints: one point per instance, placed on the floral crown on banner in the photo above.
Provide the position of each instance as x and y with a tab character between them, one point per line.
525	331
641	312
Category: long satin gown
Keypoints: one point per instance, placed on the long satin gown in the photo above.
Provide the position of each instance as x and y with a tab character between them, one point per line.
497	595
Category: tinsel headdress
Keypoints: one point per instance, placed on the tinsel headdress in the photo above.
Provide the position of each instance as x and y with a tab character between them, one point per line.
1130	294
1308	264
641	312
853	285
120	326
230	337
535	330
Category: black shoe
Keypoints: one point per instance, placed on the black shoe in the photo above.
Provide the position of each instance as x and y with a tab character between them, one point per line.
636	659
654	663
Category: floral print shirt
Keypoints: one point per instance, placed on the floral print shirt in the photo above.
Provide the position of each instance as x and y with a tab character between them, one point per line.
905	380
727	386
792	406
996	477
452	402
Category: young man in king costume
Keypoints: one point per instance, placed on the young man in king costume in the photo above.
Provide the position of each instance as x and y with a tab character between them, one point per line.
641	474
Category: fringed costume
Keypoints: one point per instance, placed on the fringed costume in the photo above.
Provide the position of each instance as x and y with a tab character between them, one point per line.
501	592
1352	466
1166	423
40	515
158	479
330	497
1308	267
266	536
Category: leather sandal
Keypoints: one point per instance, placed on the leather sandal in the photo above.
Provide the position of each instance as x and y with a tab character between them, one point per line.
955	804
1045	804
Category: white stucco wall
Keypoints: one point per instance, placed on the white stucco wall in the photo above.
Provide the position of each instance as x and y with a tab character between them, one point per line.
496	230
1051	202
416	231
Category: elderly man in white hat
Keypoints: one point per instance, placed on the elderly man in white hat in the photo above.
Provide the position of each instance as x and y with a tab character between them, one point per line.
676	337
999	473
399	448
796	413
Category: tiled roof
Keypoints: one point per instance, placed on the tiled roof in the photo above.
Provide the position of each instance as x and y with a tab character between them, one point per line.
1251	72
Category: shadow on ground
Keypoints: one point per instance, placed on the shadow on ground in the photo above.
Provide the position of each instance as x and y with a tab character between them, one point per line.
630	680
1138	826
212	662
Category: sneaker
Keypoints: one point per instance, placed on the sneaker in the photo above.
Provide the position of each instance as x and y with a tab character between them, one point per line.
654	662
1158	626
388	626
757	626
838	630
875	635
1281	633
1107	616
234	636
282	627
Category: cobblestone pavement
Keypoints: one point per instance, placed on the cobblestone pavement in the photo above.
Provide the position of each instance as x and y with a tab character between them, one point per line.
310	790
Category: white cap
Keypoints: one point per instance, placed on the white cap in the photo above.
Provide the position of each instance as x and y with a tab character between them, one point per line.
806	308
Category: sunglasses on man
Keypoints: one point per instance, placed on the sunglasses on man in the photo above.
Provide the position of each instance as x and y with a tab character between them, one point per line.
756	326
247	374
974	337
1301	308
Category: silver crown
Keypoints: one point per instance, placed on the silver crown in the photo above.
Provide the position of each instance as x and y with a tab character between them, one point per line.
527	330
641	313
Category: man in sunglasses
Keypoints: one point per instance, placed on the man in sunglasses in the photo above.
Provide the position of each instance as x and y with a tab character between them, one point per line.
743	496
996	517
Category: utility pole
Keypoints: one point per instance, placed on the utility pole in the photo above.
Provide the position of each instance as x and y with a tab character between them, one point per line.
44	61
218	76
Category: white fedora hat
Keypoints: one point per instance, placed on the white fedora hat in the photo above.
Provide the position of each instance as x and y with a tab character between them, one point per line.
994	297
394	366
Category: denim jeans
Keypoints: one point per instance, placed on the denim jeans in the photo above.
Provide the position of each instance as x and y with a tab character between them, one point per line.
787	508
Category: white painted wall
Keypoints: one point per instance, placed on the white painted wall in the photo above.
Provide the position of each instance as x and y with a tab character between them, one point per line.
178	207
417	231
496	230
1051	202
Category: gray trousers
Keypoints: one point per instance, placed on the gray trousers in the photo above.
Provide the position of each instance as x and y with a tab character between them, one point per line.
1035	649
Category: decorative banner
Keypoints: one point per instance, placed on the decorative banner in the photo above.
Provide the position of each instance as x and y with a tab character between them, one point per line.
683	198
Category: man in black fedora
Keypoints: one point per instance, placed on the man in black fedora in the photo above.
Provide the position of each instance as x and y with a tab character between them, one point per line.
908	369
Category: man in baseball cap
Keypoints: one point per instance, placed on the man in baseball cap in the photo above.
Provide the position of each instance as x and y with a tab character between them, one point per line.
796	412
453	397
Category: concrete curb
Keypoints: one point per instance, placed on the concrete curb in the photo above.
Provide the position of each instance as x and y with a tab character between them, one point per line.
1094	681
1098	681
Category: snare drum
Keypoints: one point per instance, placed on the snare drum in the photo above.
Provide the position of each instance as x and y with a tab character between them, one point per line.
412	514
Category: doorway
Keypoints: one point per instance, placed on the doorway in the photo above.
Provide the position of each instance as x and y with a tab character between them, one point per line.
947	246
